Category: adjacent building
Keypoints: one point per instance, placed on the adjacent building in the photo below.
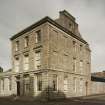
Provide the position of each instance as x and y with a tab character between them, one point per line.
98	82
50	59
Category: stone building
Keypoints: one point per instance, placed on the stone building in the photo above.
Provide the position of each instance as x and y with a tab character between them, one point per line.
50	59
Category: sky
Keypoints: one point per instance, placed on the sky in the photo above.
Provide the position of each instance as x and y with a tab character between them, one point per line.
15	15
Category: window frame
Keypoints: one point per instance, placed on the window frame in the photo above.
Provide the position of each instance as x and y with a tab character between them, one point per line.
81	85
54	82
38	36
37	59
26	62
66	84
75	84
17	45
74	64
26	41
16	64
81	66
39	82
10	83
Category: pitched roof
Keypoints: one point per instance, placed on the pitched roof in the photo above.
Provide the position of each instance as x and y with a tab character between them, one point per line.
97	79
47	19
99	74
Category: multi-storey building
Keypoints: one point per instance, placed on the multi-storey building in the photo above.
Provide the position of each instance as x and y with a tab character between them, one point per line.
50	59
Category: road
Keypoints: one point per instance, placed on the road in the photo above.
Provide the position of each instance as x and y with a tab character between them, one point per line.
90	100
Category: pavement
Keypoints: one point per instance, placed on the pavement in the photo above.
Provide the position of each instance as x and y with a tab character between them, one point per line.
89	100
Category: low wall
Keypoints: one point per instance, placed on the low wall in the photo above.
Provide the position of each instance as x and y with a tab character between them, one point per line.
97	87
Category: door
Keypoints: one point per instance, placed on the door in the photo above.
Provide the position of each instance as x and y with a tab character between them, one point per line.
86	88
18	88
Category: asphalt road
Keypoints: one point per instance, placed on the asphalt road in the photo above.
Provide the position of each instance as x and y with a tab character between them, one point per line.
90	100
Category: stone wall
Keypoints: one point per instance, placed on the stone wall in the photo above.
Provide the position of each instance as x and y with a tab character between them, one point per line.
97	87
5	88
58	52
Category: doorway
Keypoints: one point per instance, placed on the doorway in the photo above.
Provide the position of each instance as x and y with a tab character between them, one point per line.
86	84
18	88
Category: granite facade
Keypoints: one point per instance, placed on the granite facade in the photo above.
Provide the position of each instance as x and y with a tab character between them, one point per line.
57	64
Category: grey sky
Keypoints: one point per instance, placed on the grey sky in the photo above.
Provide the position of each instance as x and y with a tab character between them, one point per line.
16	15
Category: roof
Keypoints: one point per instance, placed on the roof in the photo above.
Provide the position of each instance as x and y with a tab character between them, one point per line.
44	20
6	73
97	79
99	74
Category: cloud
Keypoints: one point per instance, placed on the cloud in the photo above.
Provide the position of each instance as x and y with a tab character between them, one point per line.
16	15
